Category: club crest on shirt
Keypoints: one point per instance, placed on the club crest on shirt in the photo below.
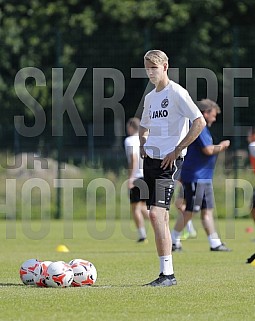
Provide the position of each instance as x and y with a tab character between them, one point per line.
161	113
164	103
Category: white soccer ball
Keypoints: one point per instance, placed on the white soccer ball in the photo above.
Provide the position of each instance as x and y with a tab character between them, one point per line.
40	273
59	275
26	271
84	272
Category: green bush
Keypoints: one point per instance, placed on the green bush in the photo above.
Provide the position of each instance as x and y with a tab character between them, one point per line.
94	193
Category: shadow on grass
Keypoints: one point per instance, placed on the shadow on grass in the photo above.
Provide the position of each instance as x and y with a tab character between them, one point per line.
105	286
82	287
10	284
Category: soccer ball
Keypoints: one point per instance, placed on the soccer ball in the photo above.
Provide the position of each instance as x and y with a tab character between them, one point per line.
40	273
26	271
59	275
84	272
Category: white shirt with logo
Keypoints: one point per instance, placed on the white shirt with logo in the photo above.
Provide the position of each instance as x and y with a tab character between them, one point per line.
167	114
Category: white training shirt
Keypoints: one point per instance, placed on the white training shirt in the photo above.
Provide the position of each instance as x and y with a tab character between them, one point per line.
252	149
132	147
167	114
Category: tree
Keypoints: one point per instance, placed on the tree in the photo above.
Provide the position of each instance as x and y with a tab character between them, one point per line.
114	34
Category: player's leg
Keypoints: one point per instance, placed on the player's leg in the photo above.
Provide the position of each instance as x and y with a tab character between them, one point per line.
161	191
137	208
191	229
180	204
179	226
139	221
193	200
159	218
207	219
212	235
144	211
142	193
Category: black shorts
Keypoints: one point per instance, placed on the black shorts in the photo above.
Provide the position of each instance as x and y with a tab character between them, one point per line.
160	181
253	199
198	196
139	190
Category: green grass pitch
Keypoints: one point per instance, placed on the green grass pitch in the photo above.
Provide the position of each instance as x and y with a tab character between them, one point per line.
211	286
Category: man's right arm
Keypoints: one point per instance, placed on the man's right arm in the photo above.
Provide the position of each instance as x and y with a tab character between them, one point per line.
194	131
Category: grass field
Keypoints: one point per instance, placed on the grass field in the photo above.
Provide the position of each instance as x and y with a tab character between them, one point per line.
211	286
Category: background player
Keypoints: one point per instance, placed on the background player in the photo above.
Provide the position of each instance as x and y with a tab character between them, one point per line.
196	176
135	175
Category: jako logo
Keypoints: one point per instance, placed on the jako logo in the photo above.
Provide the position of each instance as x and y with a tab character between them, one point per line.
159	114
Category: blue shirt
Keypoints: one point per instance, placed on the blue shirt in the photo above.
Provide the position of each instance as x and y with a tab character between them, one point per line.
197	165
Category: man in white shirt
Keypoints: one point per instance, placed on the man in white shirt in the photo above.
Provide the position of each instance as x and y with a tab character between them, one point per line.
164	137
135	178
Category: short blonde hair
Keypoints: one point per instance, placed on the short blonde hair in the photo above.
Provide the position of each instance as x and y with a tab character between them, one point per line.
157	57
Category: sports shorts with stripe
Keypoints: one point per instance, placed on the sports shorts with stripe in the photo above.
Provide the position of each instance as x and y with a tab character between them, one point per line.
160	181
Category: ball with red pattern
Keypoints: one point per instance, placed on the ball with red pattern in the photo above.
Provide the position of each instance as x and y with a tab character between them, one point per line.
40	273
84	272
26	271
59	275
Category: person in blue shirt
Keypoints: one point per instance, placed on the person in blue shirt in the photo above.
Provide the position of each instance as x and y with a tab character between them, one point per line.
197	179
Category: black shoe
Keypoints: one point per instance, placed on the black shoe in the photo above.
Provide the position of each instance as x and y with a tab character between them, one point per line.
251	258
176	248
142	240
163	280
220	248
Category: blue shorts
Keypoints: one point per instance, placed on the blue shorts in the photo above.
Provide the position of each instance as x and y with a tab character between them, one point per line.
160	181
198	196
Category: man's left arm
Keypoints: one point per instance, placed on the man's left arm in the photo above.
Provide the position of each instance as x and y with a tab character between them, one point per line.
216	149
